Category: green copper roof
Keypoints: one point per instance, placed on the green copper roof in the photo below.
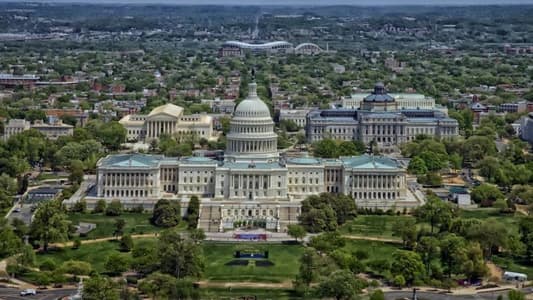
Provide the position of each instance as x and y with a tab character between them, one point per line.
304	161
198	160
369	162
131	160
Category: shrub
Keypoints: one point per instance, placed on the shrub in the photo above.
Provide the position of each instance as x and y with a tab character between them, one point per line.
126	243
76	267
116	264
48	265
79	207
114	208
100	206
76	244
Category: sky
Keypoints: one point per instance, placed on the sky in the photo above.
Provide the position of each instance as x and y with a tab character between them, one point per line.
302	2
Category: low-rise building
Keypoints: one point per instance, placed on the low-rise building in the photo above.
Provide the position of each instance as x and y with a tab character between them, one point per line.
167	119
526	128
298	116
379	120
217	105
53	130
15	126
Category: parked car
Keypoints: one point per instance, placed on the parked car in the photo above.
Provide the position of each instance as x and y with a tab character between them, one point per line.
28	292
16	210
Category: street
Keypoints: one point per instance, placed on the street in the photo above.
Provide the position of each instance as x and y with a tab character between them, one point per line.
12	294
408	294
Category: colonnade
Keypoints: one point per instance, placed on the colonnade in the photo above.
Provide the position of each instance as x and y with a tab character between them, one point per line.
253	146
156	128
250	182
135	179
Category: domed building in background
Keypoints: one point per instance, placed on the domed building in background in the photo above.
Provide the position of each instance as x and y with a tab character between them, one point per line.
253	184
252	133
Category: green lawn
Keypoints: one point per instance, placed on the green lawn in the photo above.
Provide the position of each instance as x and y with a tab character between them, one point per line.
511	220
509	264
375	249
95	254
371	225
285	259
136	223
240	293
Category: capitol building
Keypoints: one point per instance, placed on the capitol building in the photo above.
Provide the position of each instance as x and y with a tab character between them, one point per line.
253	182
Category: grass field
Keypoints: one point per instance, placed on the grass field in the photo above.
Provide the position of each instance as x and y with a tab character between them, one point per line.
508	264
240	293
493	214
95	254
136	223
371	225
285	259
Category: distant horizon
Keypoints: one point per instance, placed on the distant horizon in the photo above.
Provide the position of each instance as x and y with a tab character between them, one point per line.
367	3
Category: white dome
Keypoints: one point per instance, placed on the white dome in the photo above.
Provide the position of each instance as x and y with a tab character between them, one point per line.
252	106
251	135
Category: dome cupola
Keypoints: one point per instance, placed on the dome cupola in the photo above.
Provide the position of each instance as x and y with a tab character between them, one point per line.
251	135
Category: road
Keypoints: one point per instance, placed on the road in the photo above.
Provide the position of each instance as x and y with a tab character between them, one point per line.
12	294
22	212
393	295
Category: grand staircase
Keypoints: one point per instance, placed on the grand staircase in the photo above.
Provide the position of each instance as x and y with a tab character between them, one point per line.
209	219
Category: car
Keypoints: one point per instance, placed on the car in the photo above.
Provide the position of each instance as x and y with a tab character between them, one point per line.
16	210
28	292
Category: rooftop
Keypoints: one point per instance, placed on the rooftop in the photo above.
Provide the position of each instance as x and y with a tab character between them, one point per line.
131	160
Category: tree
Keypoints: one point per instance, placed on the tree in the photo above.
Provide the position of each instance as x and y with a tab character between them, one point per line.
115	264
49	224
308	268
491	235
144	258
100	287
178	256
296	231
428	248
114	208
399	281
27	257
417	166
325	148
323	212
516	295
76	171
342	284
111	134
486	194
119	227
453	253
435	211
405	228
158	285
166	213
197	235
193	211
76	267
377	295
408	264
100	206
10	243
126	243
327	241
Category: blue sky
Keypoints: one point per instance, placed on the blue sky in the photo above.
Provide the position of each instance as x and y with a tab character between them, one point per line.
304	2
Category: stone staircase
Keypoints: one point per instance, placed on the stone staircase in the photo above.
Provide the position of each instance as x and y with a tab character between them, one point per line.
209	219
